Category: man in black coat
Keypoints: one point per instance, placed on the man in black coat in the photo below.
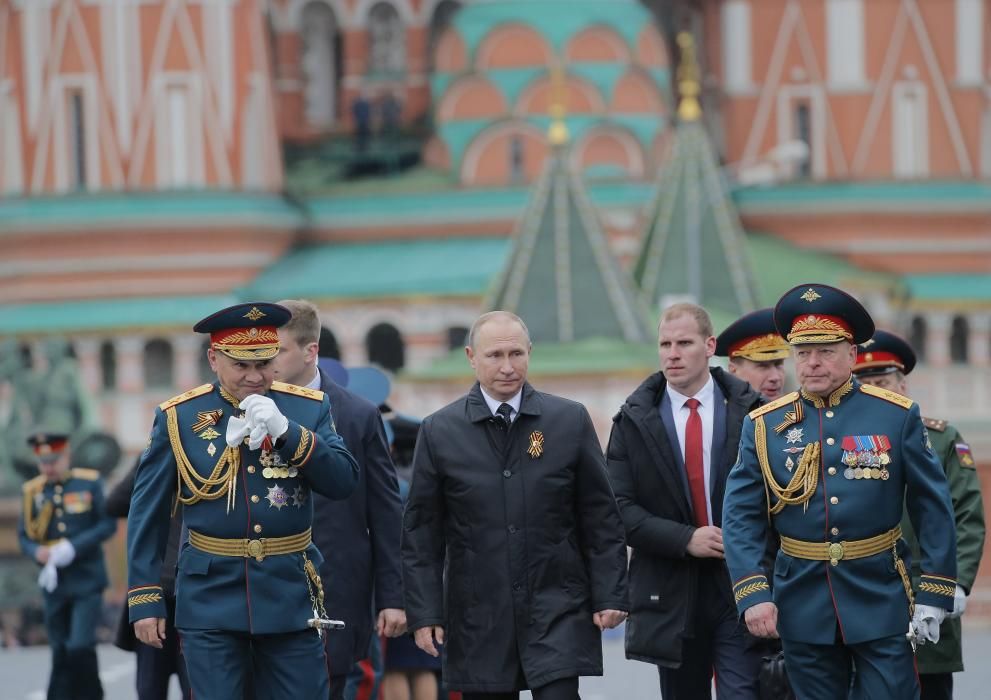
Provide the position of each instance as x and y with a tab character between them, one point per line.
513	552
672	445
359	536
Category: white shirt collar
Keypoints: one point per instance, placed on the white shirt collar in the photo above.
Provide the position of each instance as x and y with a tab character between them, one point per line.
315	382
704	395
493	404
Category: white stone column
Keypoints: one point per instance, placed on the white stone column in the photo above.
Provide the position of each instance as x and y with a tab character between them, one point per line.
938	339
88	357
186	349
978	346
130	364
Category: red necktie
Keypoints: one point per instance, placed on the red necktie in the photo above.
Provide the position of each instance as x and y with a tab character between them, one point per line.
694	464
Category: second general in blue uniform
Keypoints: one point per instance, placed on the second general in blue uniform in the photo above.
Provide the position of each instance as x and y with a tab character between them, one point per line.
829	468
240	457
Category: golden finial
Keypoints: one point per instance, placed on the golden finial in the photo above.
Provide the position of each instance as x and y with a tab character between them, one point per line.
557	134
689	82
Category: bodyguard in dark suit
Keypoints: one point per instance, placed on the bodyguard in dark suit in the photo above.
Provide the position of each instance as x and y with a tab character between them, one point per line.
831	468
242	457
513	552
359	536
672	445
154	666
63	527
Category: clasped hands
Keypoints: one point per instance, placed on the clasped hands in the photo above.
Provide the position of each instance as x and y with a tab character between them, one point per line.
261	418
60	554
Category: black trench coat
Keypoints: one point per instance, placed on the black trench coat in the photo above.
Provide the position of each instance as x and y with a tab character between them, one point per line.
511	552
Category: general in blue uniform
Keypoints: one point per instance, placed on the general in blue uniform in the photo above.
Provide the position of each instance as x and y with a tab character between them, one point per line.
62	527
829	468
240	457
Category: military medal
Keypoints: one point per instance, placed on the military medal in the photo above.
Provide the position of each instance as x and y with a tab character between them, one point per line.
875	473
867	473
789	463
858	473
848	473
268	473
205	419
794	435
536	448
277	497
299	497
293	472
211	449
884	474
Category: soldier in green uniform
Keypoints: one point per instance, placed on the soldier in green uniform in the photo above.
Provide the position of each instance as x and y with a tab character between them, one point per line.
62	527
831	468
884	361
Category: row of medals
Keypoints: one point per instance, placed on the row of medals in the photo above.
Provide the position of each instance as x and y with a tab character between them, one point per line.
866	464
273	468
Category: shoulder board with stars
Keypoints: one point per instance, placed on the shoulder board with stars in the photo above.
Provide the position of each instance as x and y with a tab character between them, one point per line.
186	396
890	396
85	474
34	485
937	424
775	405
284	388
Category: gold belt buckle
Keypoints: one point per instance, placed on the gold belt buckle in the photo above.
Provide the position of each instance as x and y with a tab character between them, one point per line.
835	552
256	549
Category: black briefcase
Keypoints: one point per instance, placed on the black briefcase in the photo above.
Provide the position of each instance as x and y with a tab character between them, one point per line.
774	679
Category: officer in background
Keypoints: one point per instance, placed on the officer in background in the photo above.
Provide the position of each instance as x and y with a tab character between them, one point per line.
831	468
247	586
756	352
884	361
62	527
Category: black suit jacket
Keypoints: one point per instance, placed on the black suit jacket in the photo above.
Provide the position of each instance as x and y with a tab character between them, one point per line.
647	473
359	537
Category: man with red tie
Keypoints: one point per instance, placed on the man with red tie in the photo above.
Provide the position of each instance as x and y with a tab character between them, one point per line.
672	445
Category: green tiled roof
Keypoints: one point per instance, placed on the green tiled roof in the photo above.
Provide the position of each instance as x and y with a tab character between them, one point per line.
694	244
455	205
781	265
194	208
454	266
928	196
556	20
560	275
591	356
949	287
108	314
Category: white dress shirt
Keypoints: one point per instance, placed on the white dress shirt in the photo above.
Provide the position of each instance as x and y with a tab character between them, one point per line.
514	403
315	382
707	411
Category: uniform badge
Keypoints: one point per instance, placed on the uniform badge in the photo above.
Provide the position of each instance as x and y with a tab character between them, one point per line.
211	449
277	497
205	419
789	463
811	295
209	434
794	435
866	457
536	448
966	458
299	497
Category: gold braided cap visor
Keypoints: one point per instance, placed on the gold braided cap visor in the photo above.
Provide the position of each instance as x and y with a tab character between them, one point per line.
763	348
819	328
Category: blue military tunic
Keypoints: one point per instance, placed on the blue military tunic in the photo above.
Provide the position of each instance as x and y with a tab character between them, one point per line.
71	509
256	496
875	456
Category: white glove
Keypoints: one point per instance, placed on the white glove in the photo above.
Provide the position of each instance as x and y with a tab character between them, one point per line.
926	623
262	411
48	578
237	429
959	603
257	436
62	553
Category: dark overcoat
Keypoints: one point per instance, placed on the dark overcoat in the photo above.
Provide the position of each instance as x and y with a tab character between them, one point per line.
511	540
359	536
647	475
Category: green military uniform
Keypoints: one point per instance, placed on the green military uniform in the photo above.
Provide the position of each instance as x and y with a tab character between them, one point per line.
968	508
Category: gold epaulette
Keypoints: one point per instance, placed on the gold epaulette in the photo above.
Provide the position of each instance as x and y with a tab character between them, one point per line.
34	485
314	394
186	396
888	395
937	424
85	474
774	405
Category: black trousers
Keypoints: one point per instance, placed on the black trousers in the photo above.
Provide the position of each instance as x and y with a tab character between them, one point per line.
156	666
936	686
561	689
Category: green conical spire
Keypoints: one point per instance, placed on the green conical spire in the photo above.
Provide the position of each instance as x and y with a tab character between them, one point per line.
560	276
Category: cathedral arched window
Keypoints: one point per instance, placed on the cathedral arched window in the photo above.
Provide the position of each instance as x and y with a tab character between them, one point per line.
457	337
328	346
917	336
158	364
387	41
439	21
959	340
321	63
206	372
108	365
386	347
